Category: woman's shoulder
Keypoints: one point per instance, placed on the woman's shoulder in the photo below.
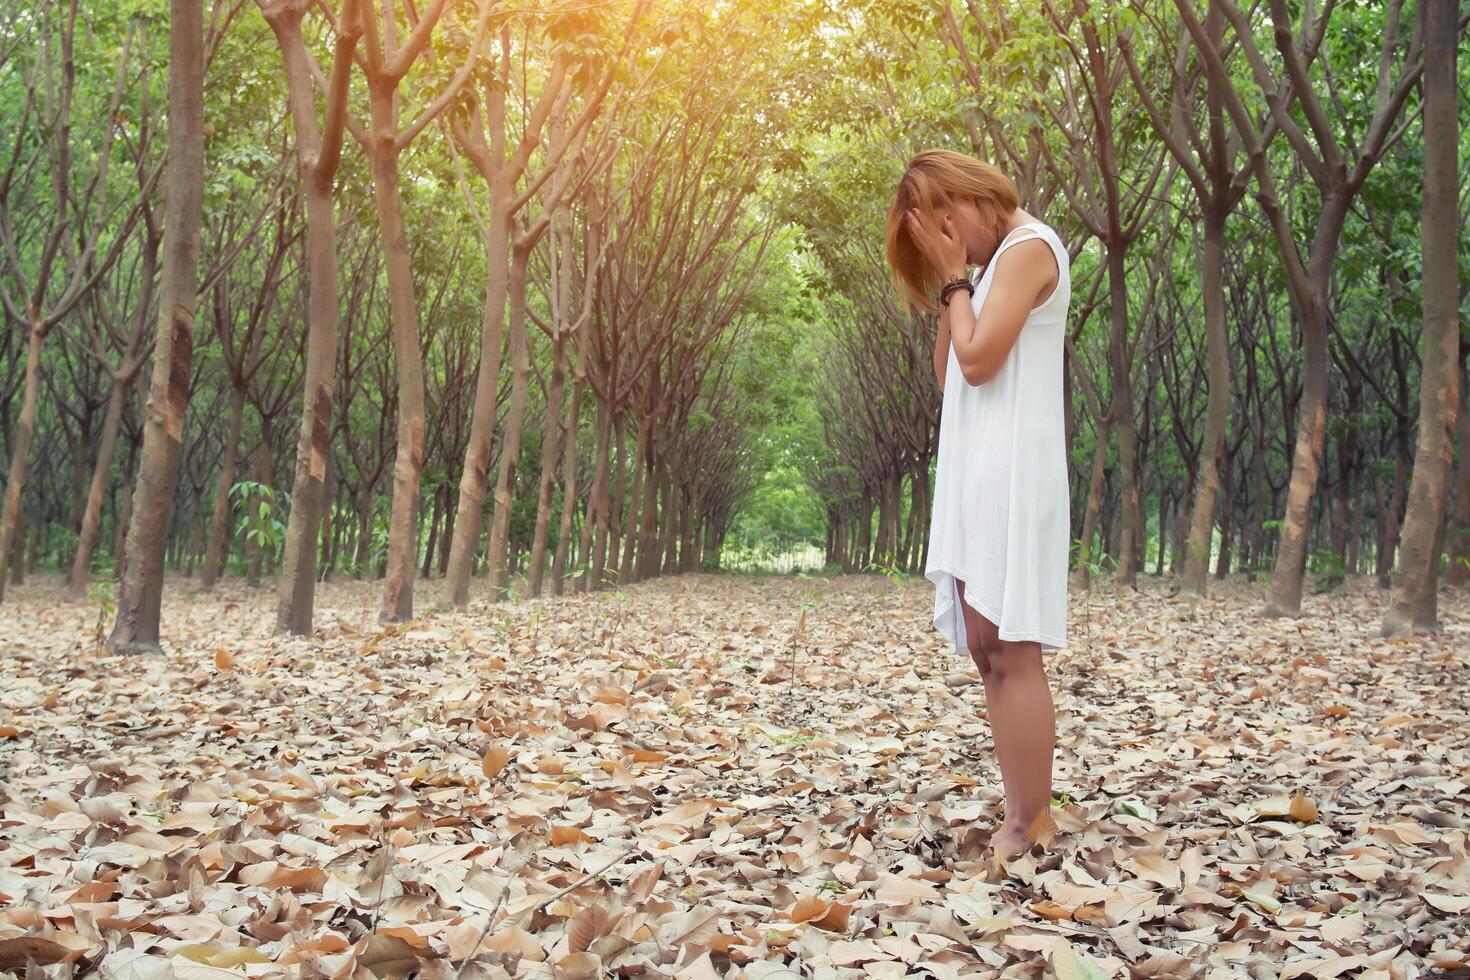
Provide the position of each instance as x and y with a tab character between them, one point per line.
1043	232
1048	230
1054	238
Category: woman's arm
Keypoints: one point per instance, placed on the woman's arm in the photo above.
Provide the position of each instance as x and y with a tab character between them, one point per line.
1019	282
941	347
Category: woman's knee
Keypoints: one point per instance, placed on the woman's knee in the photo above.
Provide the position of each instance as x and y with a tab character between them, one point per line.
985	646
1007	658
982	660
980	632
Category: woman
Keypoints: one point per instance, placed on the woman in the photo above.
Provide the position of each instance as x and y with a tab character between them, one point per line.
999	531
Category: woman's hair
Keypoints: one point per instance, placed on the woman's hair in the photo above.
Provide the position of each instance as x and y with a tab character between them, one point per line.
932	180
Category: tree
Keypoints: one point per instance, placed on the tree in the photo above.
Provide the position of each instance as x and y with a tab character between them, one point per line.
37	221
318	151
481	134
1415	594
1337	164
1206	151
385	60
141	594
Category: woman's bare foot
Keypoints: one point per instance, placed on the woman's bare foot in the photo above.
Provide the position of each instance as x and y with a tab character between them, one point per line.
1009	841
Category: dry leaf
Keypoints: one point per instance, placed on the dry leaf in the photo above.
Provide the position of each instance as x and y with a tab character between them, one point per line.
809	907
495	759
1072	964
16	952
586	927
321	808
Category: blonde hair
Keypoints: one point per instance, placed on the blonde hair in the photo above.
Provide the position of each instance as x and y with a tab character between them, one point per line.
932	179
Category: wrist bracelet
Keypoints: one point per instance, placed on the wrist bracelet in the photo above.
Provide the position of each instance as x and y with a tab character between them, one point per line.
952	284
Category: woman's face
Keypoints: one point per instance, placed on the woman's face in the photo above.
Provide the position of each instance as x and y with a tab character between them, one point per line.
980	243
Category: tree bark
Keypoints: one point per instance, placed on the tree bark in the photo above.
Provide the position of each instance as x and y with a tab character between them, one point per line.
20	447
1217	406
475	476
1391	513
1288	575
140	597
1082	574
219	520
387	60
91	518
569	477
1415	595
1122	413
318	154
595	526
1459	569
264	469
550	444
408	463
510	450
630	528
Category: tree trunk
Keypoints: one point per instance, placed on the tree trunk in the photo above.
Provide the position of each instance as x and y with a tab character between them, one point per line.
1288	575
1217	406
92	517
364	549
1082	575
646	564
687	552
1459	569
569	485
671	499
141	593
264	471
629	505
17	563
20	448
79	473
1415	594
1122	413
1227	515
120	535
510	450
475	474
618	507
1347	455
1164	503
436	516
327	544
550	433
196	543
218	523
408	461
1389	516
318	154
595	526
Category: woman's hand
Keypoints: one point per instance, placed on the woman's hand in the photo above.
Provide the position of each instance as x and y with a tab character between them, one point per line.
939	241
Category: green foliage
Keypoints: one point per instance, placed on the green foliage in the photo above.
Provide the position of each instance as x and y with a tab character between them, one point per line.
891	570
830	382
262	526
101	592
1329	567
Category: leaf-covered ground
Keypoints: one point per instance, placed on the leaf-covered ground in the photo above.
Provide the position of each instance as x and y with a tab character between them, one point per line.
719	776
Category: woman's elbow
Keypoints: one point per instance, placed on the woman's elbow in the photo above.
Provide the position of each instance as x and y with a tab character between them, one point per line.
978	374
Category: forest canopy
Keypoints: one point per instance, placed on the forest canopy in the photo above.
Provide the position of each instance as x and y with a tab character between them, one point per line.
560	294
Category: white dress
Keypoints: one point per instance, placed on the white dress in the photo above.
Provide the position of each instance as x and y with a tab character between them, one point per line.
1001	515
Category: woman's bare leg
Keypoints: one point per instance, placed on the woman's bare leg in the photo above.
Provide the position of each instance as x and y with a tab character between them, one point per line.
975	626
1022	720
